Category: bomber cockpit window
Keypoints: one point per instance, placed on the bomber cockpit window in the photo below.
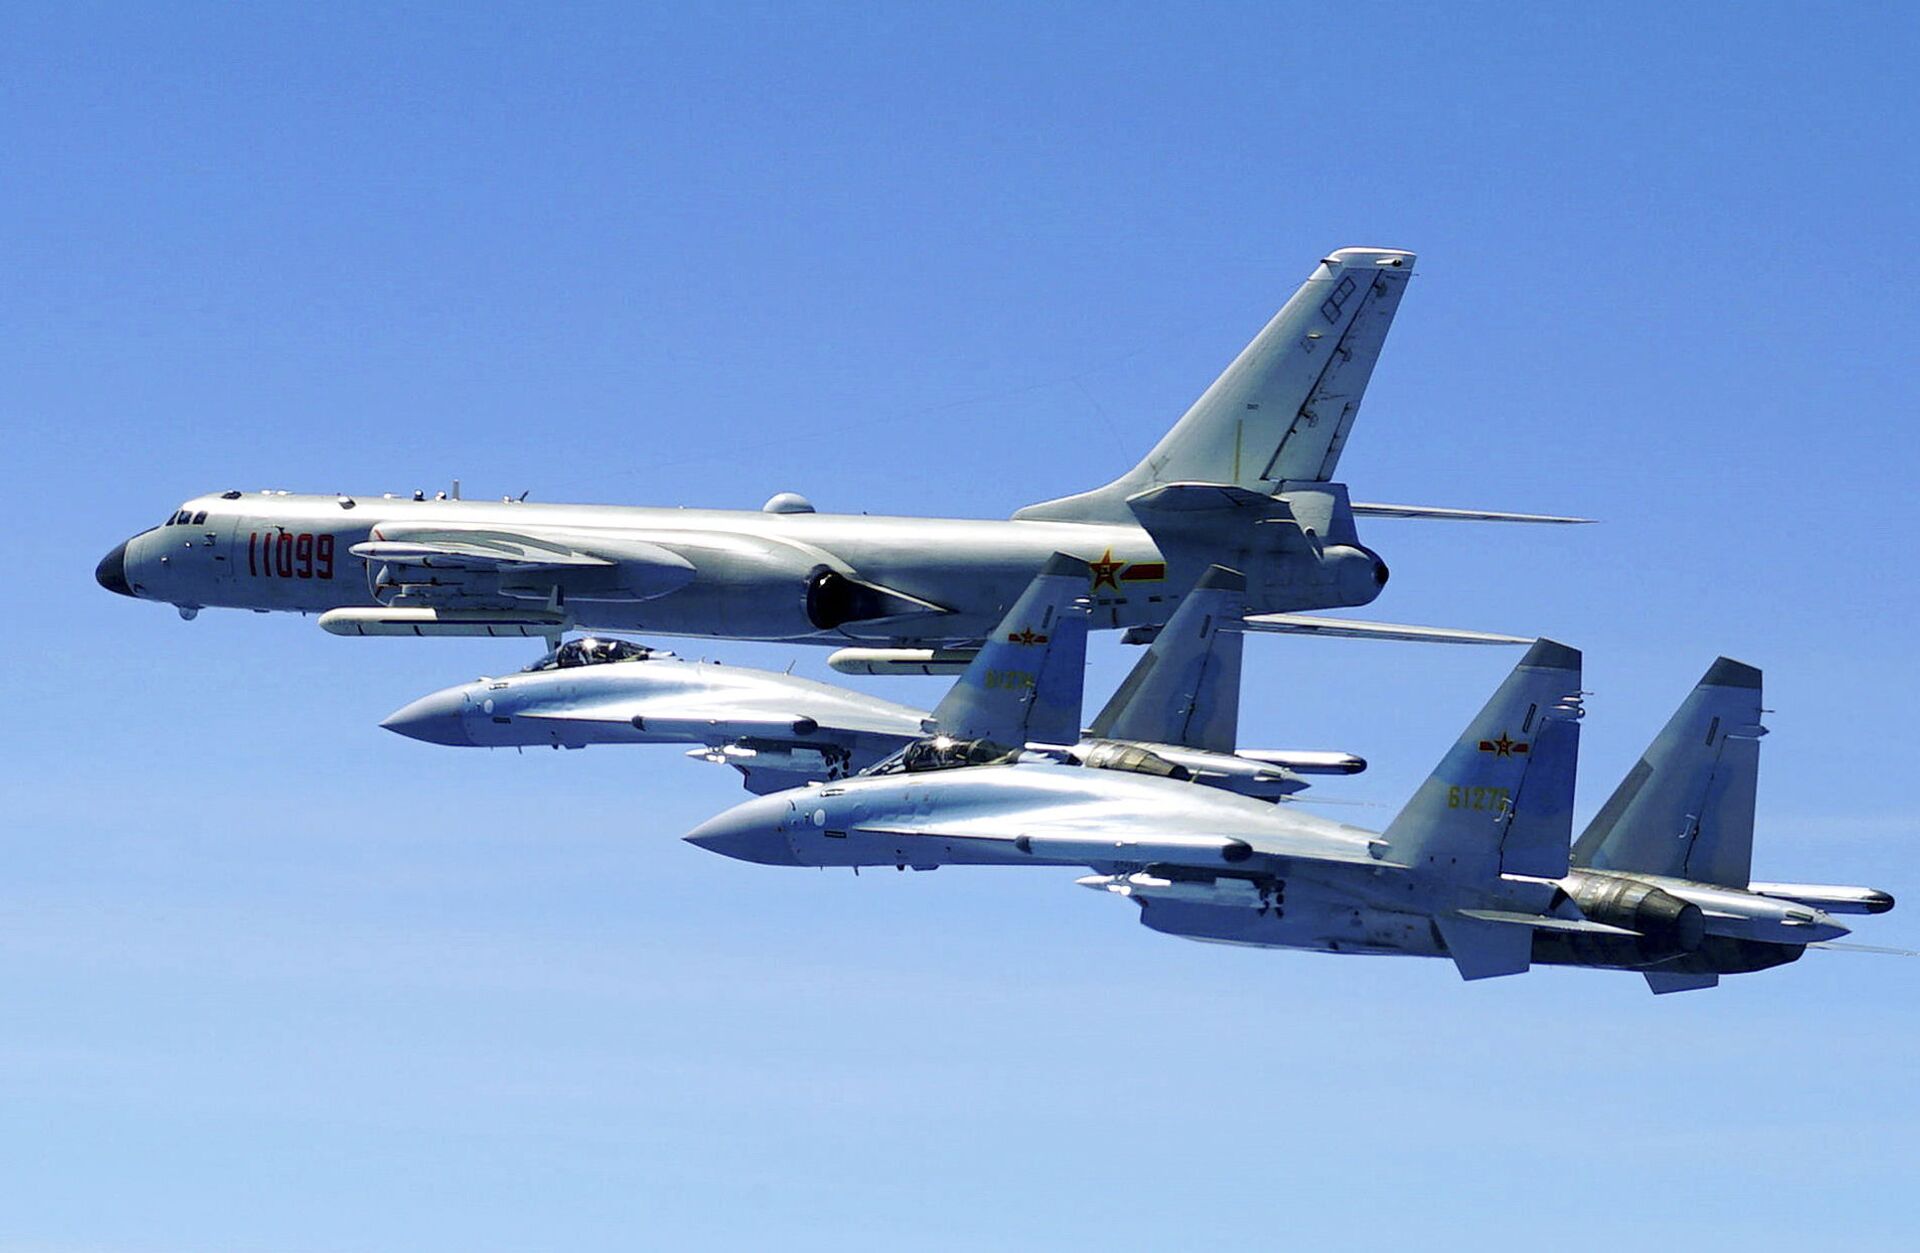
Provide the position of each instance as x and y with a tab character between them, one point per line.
943	752
200	518
590	651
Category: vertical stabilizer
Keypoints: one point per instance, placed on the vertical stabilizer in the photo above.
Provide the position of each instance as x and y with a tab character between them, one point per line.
1501	800
1026	683
1282	411
1686	807
1186	689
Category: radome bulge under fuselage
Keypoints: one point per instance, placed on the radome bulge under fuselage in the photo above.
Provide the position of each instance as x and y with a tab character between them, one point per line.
293	552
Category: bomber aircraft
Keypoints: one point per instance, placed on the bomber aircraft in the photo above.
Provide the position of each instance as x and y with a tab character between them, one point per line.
1179	706
1245	478
1477	866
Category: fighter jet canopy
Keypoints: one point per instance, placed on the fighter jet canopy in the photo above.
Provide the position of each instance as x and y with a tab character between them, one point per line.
943	752
591	651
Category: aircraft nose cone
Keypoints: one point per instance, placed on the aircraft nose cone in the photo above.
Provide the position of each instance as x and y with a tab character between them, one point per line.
435	719
111	573
748	832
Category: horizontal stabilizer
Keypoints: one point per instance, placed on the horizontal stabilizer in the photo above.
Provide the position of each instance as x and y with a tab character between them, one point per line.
1485	950
1352	629
1662	983
1544	922
1373	509
1864	948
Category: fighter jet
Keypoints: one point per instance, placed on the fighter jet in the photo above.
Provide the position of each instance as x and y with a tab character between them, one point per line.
1179	703
1476	867
1244	478
777	730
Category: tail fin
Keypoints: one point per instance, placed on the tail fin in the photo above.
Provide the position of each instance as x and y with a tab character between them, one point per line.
1686	808
1501	800
1282	410
1186	689
1027	681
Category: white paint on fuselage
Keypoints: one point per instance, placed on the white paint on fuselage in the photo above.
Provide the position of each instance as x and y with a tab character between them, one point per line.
974	567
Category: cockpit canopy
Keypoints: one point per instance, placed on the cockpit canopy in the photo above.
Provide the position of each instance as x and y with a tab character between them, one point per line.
943	752
592	651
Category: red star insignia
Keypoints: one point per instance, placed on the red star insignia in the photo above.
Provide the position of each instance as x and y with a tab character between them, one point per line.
1026	635
1504	747
1106	570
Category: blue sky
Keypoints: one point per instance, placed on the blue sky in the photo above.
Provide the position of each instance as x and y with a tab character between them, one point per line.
273	979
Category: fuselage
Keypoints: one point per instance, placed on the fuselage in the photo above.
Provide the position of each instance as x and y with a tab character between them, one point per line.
751	569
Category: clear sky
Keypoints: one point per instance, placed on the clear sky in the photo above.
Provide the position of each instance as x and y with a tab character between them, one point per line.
274	979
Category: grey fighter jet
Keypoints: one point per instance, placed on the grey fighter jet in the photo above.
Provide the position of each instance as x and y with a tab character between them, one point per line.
1476	867
1245	478
1180	703
777	730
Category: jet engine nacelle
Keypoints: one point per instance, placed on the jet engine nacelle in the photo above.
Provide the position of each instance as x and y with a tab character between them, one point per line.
1337	574
1659	915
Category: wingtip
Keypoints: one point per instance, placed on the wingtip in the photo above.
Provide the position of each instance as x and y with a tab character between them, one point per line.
1549	654
1391	258
1060	564
1222	579
1726	672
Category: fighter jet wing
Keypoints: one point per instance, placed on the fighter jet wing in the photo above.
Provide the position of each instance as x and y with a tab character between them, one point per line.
1351	629
719	722
1097	838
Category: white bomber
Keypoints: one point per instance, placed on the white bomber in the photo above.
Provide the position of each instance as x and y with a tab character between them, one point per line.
1244	478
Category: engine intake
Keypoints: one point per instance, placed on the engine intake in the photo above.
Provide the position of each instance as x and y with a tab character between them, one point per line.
833	600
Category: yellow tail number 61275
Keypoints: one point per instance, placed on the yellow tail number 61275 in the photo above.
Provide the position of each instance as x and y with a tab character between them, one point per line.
1494	798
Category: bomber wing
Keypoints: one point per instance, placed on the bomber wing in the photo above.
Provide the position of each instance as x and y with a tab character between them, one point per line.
1441	513
418	561
1352	629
